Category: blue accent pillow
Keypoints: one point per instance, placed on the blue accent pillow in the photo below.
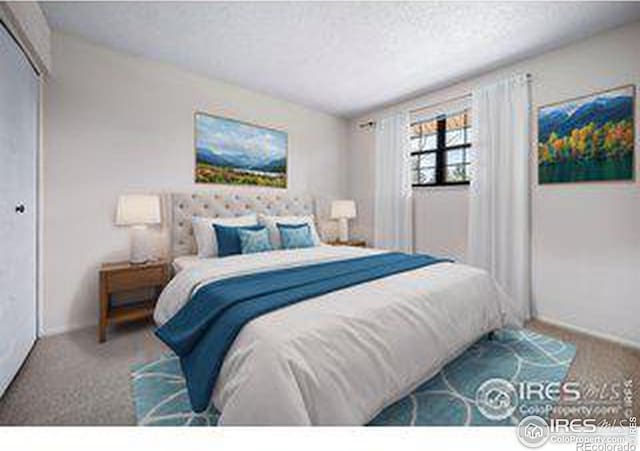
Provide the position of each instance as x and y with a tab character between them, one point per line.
295	236
252	241
229	240
292	226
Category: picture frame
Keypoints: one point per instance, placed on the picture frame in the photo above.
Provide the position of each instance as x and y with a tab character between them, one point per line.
589	138
233	152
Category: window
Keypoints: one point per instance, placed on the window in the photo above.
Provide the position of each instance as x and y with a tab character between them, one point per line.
441	150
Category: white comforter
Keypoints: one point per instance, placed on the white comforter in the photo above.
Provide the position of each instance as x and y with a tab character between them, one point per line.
340	358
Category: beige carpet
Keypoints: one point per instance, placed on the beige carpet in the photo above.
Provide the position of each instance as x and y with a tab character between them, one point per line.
70	379
598	362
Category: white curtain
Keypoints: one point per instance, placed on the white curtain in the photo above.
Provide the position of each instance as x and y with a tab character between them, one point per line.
499	238
393	221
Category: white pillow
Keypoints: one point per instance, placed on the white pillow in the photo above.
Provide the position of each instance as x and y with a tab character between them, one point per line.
206	237
271	223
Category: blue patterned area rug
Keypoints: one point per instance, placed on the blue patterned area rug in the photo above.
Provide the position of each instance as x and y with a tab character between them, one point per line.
448	399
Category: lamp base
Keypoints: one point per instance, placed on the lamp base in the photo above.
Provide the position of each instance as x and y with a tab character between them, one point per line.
343	230
140	247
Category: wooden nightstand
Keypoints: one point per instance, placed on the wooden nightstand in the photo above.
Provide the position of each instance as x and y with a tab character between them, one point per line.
354	243
123	278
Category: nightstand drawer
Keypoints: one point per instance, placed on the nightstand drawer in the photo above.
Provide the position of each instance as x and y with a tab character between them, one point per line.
140	278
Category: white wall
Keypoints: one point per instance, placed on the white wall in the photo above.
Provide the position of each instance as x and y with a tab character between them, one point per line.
585	237
116	124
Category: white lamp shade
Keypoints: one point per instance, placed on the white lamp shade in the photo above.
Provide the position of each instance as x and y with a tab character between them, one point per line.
137	209
343	209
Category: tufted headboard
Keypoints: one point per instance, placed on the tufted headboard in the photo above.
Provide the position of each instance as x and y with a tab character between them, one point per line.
183	206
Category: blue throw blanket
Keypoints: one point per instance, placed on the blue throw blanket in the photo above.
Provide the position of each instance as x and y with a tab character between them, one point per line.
204	329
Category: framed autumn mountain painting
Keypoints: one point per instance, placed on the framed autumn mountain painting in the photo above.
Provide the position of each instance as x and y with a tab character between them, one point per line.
587	139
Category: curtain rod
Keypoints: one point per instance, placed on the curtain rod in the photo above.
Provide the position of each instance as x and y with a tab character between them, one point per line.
433	105
371	124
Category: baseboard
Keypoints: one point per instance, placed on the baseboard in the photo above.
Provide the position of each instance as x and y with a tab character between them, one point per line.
51	331
603	336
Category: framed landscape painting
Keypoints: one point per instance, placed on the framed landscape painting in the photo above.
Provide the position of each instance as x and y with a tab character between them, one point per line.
237	153
587	139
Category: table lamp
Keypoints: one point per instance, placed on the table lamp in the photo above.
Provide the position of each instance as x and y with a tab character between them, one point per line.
137	211
343	210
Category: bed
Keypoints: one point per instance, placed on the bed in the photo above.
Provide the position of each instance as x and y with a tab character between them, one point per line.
336	358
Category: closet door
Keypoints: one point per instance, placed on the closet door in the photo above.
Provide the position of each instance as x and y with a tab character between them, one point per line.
18	188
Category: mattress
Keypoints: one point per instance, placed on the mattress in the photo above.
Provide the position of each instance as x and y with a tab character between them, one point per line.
185	261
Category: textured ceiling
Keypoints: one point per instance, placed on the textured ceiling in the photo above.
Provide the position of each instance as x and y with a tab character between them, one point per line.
342	58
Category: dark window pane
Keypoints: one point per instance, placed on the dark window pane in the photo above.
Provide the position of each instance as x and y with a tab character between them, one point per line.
427	160
427	176
458	137
455	137
456	173
415	145
455	156
425	142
